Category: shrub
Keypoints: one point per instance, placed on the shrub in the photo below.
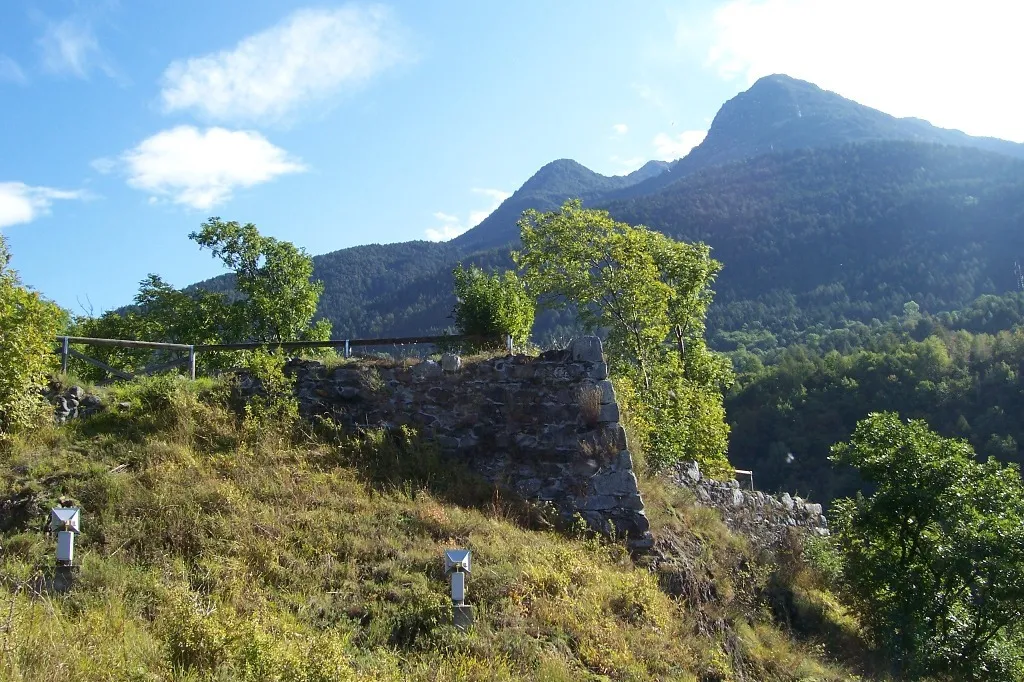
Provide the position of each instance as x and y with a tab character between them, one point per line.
28	324
492	306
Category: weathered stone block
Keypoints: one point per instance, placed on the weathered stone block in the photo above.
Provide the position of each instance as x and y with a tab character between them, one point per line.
608	414
607	391
599	503
587	349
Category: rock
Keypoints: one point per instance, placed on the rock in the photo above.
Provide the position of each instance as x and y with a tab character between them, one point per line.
631	502
607	391
587	349
690	472
599	502
76	392
787	502
599	371
451	362
426	369
608	414
621	482
738	498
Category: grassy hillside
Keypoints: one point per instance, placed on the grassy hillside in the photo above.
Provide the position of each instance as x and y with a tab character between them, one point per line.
217	548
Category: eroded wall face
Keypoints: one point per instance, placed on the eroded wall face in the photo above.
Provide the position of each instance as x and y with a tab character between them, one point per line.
547	428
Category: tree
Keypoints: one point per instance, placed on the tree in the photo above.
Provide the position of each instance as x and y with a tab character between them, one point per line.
273	300
278	298
28	325
934	558
492	306
640	288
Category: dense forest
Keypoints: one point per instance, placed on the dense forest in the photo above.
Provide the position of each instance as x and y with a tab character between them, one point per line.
959	372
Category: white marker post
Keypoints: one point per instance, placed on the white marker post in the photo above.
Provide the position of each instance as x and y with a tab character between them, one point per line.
67	522
457	567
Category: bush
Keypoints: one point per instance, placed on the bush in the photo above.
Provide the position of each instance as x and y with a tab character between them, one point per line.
28	325
492	306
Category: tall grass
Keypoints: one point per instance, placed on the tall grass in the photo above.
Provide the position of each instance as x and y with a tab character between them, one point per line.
209	553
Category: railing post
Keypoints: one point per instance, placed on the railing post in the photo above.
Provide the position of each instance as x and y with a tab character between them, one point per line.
508	344
347	350
192	362
64	355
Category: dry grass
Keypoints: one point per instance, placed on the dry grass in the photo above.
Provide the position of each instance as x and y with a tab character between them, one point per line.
588	398
212	557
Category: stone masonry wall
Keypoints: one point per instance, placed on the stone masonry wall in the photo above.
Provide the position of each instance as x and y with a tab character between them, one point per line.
545	427
763	518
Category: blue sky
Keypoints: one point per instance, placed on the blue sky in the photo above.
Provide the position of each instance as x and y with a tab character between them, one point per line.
126	124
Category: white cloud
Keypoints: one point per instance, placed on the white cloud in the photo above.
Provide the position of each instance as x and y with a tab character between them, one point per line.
70	47
951	63
310	55
626	165
451	226
11	72
620	128
21	203
103	165
202	168
669	148
650	94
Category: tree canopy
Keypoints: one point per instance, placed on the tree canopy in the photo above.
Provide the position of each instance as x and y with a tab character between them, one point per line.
648	294
934	557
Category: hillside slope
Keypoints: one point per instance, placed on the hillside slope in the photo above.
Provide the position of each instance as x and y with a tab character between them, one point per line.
215	550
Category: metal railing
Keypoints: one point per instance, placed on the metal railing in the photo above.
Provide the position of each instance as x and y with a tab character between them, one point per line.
192	350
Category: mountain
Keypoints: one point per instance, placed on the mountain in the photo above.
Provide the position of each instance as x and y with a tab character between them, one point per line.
823	211
779	113
548	189
821	237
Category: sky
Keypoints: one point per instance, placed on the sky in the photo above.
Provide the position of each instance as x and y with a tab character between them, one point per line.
125	124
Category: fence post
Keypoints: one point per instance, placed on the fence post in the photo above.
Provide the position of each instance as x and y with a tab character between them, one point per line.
346	349
508	344
64	356
192	362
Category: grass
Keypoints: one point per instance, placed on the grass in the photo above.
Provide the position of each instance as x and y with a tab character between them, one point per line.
208	554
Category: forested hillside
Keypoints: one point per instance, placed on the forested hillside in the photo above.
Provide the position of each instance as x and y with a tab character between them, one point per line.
822	210
961	373
814	238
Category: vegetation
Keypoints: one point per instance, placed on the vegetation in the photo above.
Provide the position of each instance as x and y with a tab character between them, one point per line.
640	289
273	300
786	414
28	325
934	557
212	551
492	306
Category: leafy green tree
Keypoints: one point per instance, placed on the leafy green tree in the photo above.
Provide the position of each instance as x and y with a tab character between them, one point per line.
273	300
642	289
273	277
607	270
492	306
934	558
28	325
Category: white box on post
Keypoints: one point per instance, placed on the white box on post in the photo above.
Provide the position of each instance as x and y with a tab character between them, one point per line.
65	547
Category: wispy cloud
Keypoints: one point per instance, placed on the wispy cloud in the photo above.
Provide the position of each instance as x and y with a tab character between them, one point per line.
452	226
312	54
669	148
21	203
620	128
70	47
910	68
650	94
199	168
624	165
11	72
